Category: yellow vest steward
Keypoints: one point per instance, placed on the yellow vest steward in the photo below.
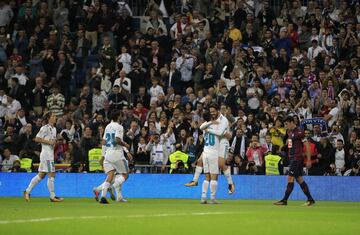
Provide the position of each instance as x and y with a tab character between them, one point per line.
95	155
176	156
272	164
26	163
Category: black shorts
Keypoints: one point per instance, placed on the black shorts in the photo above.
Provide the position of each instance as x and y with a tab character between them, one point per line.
296	168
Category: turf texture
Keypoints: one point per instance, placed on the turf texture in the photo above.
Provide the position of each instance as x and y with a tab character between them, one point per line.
175	216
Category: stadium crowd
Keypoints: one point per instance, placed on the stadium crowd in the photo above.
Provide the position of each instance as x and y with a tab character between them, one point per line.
82	59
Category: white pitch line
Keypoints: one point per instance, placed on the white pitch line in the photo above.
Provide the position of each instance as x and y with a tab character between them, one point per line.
22	221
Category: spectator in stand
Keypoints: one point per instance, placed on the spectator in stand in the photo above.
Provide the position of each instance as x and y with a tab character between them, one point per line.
56	101
8	160
255	153
158	152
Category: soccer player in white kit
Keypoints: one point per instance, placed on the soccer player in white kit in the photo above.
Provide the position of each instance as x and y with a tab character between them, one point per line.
47	137
223	152
115	164
214	130
97	190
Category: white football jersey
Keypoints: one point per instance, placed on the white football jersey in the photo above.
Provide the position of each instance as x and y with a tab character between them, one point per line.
212	142
113	151
224	122
213	135
47	132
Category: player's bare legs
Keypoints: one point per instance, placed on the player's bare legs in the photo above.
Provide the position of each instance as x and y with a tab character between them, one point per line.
198	170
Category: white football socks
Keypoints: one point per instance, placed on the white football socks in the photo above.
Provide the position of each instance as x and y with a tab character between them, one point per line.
205	187
227	174
51	187
105	187
34	181
213	188
98	188
119	180
198	171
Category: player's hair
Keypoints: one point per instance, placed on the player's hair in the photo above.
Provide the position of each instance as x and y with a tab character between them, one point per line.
115	114
289	119
47	115
214	106
206	116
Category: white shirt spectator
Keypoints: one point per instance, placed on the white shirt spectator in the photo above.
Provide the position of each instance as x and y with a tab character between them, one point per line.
2	106
123	84
125	60
339	159
98	101
158	153
7	164
22	78
5	14
334	113
185	66
12	106
155	91
105	84
314	52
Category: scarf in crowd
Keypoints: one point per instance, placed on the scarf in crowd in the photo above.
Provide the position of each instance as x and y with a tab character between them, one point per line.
242	146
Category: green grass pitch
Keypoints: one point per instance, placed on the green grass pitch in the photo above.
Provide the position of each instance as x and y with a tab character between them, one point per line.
175	216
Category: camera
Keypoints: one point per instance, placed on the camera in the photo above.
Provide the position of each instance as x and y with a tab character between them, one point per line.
251	164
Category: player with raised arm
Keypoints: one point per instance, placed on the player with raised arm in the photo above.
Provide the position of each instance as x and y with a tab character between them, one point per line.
213	131
223	151
115	164
295	144
47	137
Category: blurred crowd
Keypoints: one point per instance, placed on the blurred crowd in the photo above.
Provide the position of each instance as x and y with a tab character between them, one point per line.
83	58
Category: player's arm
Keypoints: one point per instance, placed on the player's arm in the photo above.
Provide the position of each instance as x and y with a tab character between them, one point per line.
220	130
205	125
308	153
40	137
119	133
43	141
101	161
227	135
128	154
122	143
